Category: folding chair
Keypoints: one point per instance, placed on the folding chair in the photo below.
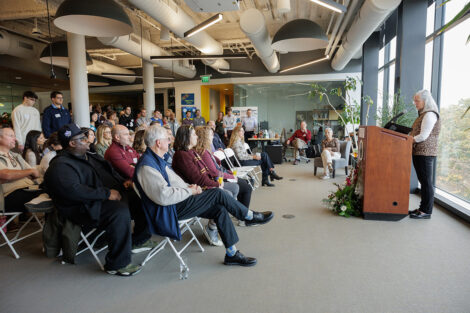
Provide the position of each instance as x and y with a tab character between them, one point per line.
242	174
185	225
257	169
90	246
10	216
242	170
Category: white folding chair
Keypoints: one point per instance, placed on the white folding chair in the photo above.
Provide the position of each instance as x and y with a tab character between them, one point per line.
243	171
10	216
90	246
257	169
185	225
242	174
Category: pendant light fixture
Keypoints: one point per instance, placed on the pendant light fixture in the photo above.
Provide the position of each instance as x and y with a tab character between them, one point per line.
57	53
98	18
299	35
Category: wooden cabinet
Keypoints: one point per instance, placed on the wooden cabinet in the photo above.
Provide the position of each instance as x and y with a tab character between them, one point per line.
385	167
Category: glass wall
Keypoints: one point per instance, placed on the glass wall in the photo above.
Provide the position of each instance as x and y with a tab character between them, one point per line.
453	161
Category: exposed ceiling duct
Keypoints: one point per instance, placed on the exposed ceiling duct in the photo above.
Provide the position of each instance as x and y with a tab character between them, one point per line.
19	46
179	22
253	24
371	15
98	68
144	49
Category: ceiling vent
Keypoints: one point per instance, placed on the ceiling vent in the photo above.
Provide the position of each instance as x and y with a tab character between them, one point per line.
213	5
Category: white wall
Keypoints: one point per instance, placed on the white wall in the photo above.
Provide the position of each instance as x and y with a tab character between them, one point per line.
45	99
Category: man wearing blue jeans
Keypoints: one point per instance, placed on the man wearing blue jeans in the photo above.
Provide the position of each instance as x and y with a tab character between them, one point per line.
167	198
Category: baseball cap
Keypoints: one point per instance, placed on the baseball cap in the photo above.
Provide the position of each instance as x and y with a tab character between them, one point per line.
67	132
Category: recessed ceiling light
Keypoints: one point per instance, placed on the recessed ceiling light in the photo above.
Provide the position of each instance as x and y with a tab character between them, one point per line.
8	87
18	77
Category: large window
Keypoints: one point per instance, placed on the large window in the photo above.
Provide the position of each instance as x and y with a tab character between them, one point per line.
453	161
386	82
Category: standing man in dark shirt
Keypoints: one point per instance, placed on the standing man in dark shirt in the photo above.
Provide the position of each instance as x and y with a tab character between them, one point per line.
126	119
55	116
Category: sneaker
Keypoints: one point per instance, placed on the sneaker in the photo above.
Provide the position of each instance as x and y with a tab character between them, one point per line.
212	236
129	270
146	246
325	177
296	162
241	223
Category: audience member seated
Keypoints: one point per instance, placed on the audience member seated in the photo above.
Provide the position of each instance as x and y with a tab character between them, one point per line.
104	139
237	143
167	196
139	144
91	138
120	154
168	157
33	147
20	186
215	168
299	140
94	122
157	117
330	150
126	119
143	119
173	123
52	145
217	143
87	191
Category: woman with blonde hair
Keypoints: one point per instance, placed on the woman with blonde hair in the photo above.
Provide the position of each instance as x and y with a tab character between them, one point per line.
205	134
237	143
139	144
103	136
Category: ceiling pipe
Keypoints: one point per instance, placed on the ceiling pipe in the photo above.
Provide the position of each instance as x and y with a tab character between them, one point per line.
98	68
18	46
253	24
344	24
179	22
371	15
132	44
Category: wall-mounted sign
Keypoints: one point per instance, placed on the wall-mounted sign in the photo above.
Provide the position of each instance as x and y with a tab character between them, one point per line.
187	99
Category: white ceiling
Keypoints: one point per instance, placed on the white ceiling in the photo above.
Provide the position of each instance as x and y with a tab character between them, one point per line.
19	16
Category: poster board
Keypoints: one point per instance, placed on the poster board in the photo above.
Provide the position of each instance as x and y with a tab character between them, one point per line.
240	112
187	99
191	109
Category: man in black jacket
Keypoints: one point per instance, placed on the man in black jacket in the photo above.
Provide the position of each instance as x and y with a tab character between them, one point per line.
127	120
87	191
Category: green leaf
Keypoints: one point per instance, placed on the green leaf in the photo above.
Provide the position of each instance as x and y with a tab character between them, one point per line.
456	18
468	39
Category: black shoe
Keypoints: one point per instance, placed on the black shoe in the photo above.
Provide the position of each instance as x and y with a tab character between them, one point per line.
266	182
260	218
239	259
421	215
274	176
413	212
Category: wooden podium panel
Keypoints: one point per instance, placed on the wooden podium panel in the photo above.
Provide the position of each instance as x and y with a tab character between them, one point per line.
385	167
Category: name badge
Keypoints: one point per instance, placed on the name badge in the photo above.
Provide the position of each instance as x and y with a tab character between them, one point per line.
135	160
57	115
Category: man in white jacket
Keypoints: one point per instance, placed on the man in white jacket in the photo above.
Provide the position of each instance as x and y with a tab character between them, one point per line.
25	118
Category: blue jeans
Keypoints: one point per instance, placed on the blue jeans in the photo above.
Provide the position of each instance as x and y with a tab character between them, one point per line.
265	162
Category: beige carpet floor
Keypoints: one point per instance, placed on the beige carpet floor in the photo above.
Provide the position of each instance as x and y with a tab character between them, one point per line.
315	262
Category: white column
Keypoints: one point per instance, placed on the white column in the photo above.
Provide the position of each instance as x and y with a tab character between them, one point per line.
165	99
149	87
78	79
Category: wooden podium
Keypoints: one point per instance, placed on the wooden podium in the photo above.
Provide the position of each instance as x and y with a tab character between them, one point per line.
385	167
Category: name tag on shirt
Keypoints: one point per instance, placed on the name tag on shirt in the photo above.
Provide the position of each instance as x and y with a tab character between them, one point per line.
135	160
57	115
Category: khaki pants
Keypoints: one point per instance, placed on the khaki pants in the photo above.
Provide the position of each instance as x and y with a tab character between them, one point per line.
298	143
327	158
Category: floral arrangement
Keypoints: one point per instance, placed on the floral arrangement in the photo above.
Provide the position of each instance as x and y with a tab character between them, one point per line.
347	199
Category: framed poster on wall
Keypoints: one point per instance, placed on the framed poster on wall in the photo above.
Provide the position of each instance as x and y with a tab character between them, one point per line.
187	99
240	113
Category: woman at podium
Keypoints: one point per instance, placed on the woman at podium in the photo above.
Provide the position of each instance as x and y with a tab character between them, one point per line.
425	132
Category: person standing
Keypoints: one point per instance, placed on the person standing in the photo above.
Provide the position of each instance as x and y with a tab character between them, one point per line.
55	116
230	121
425	132
187	120
199	120
25	118
219	125
300	140
126	119
143	119
250	124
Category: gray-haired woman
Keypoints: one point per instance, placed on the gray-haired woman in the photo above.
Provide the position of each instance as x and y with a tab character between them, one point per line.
425	135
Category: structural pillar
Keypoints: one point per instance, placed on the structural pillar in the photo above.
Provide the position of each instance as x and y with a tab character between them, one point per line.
149	87
165	100
78	79
411	43
370	72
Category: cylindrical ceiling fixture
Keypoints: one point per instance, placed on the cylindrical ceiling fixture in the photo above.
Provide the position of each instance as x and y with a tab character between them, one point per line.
283	6
300	35
99	18
164	33
60	55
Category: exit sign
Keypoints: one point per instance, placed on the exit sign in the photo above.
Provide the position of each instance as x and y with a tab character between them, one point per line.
205	78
